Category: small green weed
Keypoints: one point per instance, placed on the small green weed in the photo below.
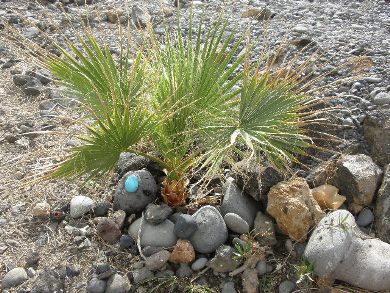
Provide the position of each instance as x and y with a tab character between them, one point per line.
242	252
305	271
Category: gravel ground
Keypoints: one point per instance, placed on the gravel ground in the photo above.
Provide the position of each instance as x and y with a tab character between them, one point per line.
345	29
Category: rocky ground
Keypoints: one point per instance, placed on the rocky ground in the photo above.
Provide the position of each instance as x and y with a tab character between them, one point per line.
60	236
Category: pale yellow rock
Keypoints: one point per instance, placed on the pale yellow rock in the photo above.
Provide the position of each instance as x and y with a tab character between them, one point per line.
294	208
328	197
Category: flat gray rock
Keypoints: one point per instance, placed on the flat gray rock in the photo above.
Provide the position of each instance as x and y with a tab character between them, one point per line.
160	235
237	202
235	223
212	231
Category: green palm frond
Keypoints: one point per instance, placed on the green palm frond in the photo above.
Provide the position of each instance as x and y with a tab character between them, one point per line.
101	84
267	122
195	84
112	93
106	140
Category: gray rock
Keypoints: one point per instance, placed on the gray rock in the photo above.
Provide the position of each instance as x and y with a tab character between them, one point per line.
255	179
31	32
377	133
228	287
21	79
212	231
237	202
33	87
199	264
235	223
150	250
300	28
365	218
49	280
184	271
382	98
157	260
382	211
164	274
117	284
341	251
14	278
286	287
358	178
141	275
160	235
134	202
261	268
126	242
101	209
185	226
96	286
80	205
224	261
156	214
131	162
264	230
140	17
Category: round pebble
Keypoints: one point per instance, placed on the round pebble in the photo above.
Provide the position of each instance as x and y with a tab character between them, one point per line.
199	264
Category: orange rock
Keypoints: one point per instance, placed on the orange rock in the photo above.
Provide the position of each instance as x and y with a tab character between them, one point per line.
183	252
327	197
294	208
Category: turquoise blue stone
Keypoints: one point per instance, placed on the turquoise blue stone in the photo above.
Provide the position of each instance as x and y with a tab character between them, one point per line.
131	183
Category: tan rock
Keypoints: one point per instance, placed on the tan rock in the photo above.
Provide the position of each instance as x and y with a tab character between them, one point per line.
114	15
258	14
294	208
250	281
327	197
183	252
41	210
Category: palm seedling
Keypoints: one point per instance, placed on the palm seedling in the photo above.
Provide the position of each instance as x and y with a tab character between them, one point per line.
185	103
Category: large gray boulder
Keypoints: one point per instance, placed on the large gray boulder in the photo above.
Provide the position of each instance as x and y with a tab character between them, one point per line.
339	250
134	202
238	202
357	178
212	231
377	133
160	235
382	212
